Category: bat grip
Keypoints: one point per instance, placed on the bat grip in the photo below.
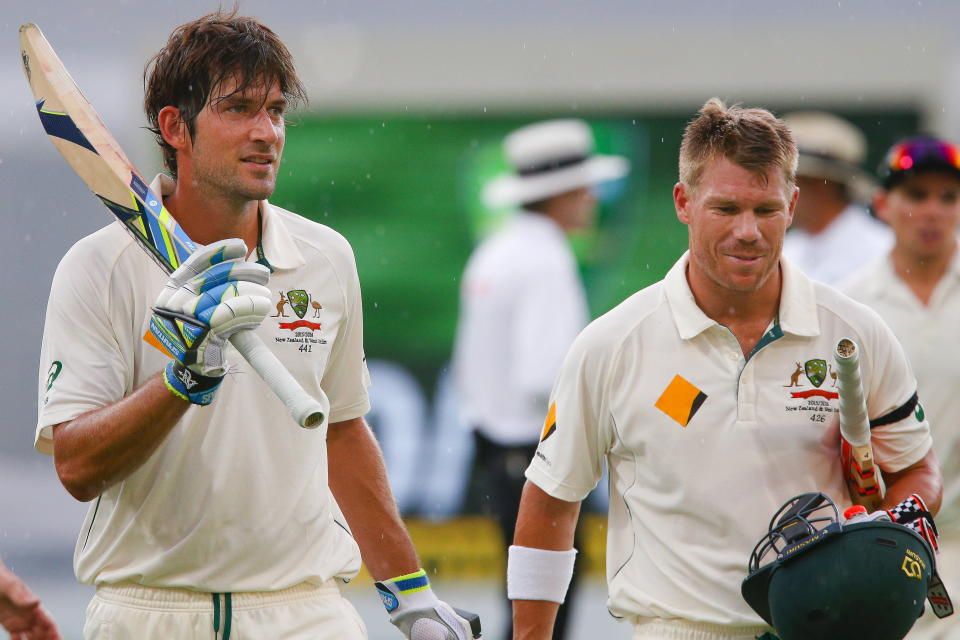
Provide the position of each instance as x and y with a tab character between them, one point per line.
306	410
854	423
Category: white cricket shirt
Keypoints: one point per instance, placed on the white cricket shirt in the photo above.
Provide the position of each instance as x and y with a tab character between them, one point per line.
929	338
236	497
704	446
521	305
853	240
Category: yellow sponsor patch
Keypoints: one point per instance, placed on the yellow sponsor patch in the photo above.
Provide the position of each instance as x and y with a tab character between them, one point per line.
680	400
550	424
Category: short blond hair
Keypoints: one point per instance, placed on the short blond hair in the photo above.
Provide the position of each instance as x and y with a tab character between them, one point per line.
755	139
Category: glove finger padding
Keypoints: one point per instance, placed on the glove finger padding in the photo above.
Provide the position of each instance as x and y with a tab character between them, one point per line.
207	256
210	297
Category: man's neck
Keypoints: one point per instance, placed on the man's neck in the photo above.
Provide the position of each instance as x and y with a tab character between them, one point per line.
921	274
207	219
746	314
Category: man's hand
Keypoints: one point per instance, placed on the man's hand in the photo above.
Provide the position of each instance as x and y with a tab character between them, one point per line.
213	294
20	611
416	611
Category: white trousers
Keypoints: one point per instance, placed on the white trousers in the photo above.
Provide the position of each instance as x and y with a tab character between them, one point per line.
302	612
661	629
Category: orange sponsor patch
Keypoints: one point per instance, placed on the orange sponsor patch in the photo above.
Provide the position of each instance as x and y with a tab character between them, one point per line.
550	424
681	400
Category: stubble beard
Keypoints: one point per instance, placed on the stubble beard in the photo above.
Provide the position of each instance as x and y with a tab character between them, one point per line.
727	280
231	186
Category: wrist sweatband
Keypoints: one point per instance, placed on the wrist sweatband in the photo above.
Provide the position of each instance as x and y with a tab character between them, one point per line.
190	385
539	574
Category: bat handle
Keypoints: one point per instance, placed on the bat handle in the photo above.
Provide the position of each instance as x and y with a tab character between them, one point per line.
306	410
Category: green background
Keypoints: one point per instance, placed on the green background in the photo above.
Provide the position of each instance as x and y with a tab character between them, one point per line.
405	191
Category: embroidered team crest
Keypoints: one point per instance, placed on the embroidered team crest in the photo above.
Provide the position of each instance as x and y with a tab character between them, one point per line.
299	301
816	371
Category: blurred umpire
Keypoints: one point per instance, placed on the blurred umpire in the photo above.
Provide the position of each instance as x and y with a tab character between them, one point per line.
834	192
522	303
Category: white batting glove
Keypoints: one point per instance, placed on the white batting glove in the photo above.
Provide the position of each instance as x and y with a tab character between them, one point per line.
420	615
213	294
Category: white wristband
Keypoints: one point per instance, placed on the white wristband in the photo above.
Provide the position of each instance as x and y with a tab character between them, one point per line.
538	574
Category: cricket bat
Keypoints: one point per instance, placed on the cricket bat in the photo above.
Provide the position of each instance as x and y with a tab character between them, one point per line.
80	136
856	454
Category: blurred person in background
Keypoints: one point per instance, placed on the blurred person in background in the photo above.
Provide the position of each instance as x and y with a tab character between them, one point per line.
834	190
21	613
522	304
915	288
679	390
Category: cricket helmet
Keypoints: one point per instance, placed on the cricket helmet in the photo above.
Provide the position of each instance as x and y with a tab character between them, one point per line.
812	577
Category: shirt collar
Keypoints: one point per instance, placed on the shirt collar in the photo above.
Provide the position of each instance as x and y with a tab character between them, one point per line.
798	304
279	248
278	244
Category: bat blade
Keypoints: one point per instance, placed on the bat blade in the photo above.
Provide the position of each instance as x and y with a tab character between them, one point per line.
84	141
856	453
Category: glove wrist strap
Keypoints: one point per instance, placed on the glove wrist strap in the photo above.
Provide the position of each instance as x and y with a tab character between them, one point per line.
404	593
190	385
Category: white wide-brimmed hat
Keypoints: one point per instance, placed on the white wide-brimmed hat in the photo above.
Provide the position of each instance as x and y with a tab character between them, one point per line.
550	158
833	149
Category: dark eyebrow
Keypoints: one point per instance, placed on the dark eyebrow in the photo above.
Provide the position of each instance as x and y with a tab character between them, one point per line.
241	99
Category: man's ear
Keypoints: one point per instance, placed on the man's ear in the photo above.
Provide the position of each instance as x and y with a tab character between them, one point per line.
880	204
792	207
681	199
173	128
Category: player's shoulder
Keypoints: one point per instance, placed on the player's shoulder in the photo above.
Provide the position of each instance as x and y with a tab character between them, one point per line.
314	238
838	308
607	333
99	251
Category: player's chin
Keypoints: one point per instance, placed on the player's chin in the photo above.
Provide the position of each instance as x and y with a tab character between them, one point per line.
745	280
259	190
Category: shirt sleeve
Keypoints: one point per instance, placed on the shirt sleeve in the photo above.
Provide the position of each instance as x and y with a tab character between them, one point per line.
550	314
346	379
578	430
900	432
83	365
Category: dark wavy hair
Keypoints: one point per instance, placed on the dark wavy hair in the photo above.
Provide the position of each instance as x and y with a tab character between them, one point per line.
200	55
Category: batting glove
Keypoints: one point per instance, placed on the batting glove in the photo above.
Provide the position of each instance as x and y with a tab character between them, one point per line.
213	294
913	513
419	615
